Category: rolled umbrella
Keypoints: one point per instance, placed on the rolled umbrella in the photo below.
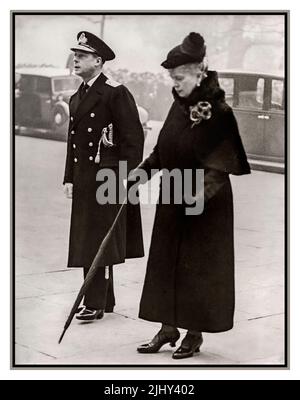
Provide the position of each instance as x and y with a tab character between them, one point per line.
98	262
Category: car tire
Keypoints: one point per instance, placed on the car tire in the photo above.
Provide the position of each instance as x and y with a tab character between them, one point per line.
60	120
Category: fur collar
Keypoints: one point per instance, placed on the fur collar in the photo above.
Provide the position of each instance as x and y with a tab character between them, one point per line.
209	90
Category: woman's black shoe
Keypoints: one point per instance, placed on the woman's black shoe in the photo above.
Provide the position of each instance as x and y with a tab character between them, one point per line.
159	340
190	345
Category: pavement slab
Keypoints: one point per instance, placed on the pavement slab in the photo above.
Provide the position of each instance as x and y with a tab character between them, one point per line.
248	341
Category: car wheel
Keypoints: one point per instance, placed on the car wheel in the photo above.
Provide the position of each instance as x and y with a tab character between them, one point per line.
60	114
60	120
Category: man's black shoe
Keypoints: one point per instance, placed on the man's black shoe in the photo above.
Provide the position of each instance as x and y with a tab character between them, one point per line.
90	315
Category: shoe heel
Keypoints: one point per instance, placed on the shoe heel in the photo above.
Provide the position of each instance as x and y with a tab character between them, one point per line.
197	350
173	344
100	315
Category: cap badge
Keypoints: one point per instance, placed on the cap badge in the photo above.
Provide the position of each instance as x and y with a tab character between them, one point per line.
82	39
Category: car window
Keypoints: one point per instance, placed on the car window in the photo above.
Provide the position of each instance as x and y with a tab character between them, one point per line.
251	92
260	91
43	85
228	85
277	95
27	83
66	84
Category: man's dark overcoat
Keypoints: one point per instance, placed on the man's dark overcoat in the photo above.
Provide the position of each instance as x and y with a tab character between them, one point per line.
190	273
110	105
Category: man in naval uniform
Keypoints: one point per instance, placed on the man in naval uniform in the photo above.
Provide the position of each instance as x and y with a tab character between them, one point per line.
104	129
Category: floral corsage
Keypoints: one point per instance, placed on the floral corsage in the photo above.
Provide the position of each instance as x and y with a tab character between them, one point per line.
200	111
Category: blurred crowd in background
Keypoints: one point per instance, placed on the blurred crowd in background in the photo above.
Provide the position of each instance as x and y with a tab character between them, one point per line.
152	91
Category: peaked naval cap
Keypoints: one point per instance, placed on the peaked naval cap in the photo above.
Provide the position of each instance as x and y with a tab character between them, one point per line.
91	43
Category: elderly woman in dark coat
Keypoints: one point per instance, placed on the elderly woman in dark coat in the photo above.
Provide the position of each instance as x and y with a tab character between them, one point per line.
190	273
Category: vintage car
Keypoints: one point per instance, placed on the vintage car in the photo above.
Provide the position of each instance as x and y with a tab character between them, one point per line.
258	101
41	102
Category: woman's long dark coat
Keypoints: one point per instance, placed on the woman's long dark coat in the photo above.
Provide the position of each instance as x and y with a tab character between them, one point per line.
190	273
105	103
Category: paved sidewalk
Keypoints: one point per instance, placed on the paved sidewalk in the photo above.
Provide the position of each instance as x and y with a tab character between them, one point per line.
45	289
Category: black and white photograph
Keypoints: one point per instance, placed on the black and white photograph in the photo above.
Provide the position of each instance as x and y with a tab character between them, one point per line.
149	181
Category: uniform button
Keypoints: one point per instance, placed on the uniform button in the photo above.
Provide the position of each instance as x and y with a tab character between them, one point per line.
92	115
91	144
90	129
72	132
72	119
91	158
75	160
74	146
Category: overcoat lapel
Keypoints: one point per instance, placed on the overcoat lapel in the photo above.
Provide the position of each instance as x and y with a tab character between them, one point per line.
74	103
83	106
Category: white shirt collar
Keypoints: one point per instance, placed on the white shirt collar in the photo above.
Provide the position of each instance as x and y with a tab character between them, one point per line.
92	81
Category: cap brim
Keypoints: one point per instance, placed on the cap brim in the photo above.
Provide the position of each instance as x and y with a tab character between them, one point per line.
83	48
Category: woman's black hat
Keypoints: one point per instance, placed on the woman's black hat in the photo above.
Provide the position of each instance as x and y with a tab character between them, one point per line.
192	49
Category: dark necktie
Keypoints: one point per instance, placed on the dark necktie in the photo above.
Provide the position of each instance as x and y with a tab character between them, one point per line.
83	89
